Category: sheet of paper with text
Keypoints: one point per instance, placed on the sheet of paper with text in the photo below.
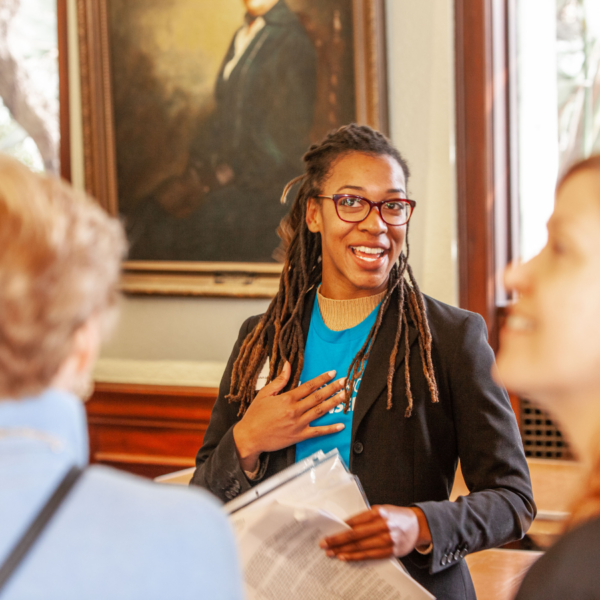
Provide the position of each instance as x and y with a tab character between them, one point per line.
279	528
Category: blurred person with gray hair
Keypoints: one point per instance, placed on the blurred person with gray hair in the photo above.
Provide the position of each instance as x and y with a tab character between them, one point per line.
70	532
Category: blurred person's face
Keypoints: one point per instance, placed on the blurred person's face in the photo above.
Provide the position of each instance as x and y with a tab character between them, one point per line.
550	344
256	8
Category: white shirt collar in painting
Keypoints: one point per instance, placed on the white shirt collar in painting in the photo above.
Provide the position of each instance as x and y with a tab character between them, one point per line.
242	40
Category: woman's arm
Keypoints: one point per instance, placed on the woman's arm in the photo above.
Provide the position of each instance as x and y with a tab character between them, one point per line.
217	465
500	506
275	419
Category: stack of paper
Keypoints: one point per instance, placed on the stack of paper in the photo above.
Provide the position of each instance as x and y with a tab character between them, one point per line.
280	522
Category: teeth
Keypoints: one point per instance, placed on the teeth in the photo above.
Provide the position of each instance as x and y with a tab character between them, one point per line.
520	323
367	250
366	258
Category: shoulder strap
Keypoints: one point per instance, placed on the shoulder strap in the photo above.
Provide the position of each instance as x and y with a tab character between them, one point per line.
39	524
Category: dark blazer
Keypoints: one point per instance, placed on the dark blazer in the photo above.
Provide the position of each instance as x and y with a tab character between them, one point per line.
569	570
412	461
265	109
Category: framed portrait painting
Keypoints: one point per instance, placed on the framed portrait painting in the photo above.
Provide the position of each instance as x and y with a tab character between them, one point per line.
196	115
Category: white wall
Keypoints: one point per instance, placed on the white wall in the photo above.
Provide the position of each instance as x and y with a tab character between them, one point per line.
180	329
421	82
420	58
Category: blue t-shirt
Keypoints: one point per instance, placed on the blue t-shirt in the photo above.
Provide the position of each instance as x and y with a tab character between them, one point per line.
328	350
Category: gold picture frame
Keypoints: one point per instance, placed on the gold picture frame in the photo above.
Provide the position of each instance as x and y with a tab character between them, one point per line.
168	277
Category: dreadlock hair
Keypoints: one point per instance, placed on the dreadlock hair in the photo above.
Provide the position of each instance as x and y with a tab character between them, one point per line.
302	271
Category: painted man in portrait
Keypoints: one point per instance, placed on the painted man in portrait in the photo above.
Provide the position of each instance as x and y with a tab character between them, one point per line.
245	152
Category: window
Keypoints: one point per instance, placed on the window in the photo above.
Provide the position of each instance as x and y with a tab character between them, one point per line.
29	107
558	90
527	107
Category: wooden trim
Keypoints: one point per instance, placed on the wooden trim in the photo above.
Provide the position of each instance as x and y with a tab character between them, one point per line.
164	266
63	89
216	285
150	423
238	280
144	459
474	156
146	429
250	280
370	64
98	123
484	154
154	390
514	228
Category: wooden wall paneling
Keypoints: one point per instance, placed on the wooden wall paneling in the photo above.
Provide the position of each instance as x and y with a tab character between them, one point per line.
501	149
487	157
96	103
473	58
63	89
370	64
513	131
148	430
484	154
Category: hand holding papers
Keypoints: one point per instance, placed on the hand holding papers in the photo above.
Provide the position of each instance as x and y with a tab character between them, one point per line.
280	523
281	559
380	532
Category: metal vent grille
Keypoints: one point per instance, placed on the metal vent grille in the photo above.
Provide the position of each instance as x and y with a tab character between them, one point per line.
541	437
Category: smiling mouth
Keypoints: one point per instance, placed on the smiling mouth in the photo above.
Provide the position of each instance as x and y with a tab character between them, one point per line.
367	254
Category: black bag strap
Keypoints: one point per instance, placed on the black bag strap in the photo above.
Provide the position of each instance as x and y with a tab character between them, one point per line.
42	519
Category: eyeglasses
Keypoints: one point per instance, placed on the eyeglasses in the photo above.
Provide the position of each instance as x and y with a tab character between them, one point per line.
354	209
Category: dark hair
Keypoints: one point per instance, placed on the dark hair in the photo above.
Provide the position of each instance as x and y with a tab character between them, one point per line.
302	271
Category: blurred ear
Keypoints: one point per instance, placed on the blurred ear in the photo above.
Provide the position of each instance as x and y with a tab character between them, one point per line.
75	373
314	217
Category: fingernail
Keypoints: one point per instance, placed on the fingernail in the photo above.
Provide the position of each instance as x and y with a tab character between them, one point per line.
342	381
343	557
330	553
332	373
323	544
339	427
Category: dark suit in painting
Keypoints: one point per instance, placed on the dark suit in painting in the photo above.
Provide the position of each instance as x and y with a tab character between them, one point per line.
259	130
412	461
265	108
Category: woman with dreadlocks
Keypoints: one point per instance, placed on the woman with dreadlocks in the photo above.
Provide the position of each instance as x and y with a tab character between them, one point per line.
413	393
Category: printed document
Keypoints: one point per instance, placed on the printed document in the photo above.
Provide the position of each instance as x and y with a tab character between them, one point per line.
280	525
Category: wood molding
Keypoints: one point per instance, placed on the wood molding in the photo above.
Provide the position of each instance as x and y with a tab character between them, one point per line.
474	156
97	117
238	280
144	459
484	155
63	89
154	390
370	64
145	429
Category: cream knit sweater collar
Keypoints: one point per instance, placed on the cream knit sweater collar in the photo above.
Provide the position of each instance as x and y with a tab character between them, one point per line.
344	314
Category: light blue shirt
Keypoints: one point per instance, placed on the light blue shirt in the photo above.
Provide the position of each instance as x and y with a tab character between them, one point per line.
328	350
116	535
